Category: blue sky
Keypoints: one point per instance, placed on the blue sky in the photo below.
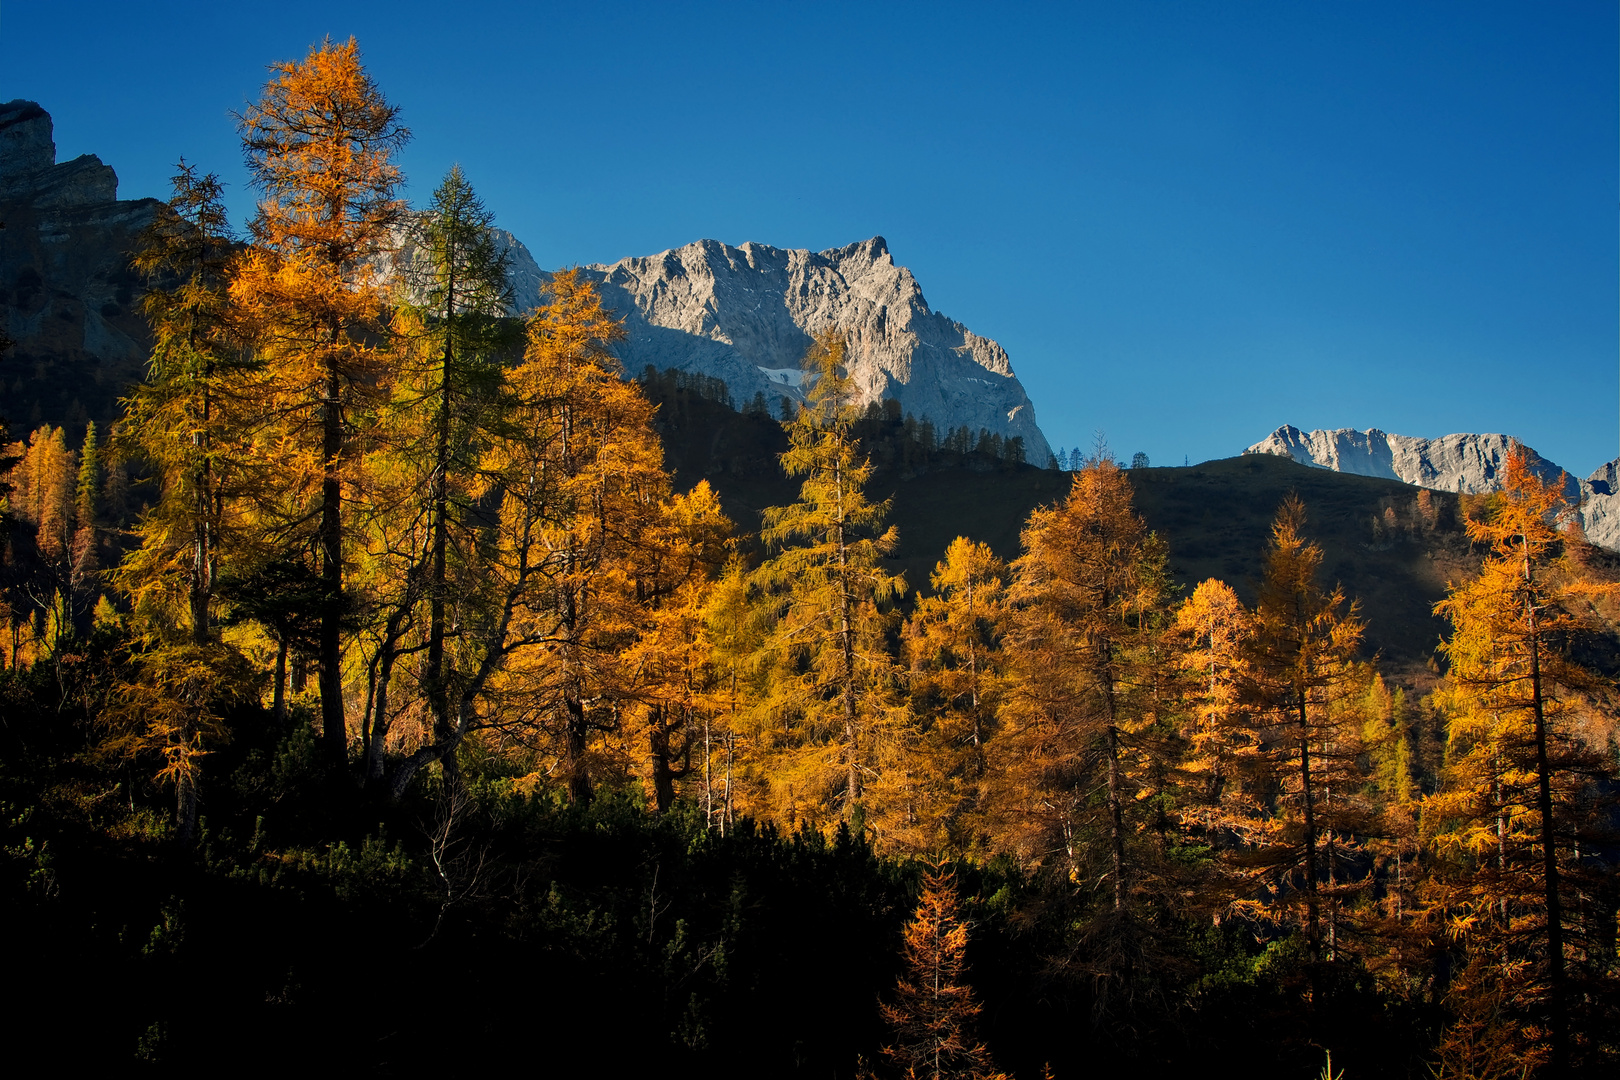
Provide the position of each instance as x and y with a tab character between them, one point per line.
1188	223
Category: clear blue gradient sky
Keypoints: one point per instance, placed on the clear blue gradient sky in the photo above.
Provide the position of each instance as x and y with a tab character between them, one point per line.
1188	223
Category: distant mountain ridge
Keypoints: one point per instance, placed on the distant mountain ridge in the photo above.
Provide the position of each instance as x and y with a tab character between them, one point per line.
1463	463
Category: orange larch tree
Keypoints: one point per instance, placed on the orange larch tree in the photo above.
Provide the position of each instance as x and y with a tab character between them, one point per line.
319	145
183	423
832	703
1298	676
934	1010
1216	626
182	420
674	688
1084	706
953	644
1523	791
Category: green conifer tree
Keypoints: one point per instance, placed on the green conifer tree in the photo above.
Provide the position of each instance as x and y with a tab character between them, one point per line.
446	404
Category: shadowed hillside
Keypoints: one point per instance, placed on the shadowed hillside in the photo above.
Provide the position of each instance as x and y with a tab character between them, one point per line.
1376	539
1392	546
1217	519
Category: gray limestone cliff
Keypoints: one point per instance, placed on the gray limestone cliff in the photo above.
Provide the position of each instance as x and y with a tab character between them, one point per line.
1464	463
747	314
1600	506
67	293
1467	464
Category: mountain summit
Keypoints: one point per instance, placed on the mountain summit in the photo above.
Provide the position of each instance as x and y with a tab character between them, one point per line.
747	314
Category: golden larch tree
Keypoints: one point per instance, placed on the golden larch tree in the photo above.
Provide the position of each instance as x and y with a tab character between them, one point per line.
1522	789
952	642
675	690
184	418
735	627
1298	676
183	423
1216	627
833	704
1091	606
319	145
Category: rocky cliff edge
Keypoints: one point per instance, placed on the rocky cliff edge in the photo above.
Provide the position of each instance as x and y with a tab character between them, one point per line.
67	294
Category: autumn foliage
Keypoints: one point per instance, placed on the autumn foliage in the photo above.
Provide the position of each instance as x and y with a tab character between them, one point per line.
933	1012
407	611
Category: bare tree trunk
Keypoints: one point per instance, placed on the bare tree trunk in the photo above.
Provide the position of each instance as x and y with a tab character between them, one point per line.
575	733
726	819
202	567
278	701
1116	819
660	775
1549	860
846	641
185	810
1312	905
334	728
433	680
708	778
377	727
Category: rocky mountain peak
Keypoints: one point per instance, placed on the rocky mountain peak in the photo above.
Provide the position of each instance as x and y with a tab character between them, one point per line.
1464	463
747	314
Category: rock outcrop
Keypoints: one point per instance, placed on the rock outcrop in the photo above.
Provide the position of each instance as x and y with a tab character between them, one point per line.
1467	464
1600	506
67	292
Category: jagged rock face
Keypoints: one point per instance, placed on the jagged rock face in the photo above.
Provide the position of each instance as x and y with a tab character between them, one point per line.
67	291
748	314
1600	506
1467	464
523	274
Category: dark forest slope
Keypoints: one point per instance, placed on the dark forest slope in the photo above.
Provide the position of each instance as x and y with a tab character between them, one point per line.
1392	546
